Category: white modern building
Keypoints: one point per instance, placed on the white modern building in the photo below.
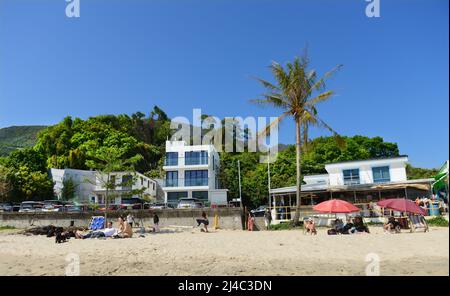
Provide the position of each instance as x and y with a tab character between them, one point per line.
192	171
359	182
90	185
362	172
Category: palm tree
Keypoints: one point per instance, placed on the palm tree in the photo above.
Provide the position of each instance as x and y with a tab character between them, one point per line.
297	92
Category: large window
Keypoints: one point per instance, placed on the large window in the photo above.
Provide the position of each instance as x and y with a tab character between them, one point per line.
203	195
173	197
127	182
381	174
171	179
171	158
196	178
351	177
196	157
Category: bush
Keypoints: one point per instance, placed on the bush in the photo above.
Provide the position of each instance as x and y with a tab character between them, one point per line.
438	221
283	226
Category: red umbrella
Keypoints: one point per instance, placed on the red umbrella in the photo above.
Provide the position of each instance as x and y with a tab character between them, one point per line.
335	206
402	205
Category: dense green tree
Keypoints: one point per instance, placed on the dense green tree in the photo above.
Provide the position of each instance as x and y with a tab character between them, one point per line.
67	144
420	173
30	185
28	157
5	183
69	189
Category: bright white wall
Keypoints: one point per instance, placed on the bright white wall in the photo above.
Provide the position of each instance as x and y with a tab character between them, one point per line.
397	170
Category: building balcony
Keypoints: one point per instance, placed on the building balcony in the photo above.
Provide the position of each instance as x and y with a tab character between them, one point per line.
185	161
181	182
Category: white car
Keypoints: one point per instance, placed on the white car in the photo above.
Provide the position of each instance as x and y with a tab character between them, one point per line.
189	203
30	206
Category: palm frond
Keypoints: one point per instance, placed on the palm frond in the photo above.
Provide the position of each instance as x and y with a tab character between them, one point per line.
319	98
266	131
320	84
266	83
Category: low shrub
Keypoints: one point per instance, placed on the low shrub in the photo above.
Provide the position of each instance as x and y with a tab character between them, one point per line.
438	221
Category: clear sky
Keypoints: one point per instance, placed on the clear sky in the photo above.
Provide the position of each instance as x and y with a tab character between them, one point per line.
126	56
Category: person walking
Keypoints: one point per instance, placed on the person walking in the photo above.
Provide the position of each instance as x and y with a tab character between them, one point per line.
155	223
251	221
267	218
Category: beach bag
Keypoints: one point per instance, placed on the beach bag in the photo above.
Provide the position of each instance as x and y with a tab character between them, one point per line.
331	232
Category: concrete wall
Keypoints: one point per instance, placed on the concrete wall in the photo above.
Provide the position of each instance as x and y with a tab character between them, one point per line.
229	218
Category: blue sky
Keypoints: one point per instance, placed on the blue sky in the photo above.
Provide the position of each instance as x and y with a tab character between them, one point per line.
126	56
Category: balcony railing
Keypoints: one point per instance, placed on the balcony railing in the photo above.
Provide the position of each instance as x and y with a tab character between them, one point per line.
186	161
181	182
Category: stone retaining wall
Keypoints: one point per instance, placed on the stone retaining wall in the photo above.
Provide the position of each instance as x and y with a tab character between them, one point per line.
229	218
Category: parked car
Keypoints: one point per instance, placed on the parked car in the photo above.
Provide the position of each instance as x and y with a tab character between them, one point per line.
112	207
71	208
234	203
31	206
133	203
189	203
6	207
259	211
16	207
53	206
156	206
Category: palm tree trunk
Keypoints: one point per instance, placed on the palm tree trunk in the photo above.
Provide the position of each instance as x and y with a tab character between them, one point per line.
299	168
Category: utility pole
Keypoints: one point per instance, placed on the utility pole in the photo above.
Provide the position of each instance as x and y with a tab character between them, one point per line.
240	190
268	178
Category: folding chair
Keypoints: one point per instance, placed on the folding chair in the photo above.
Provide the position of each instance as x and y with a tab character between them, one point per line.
97	222
418	222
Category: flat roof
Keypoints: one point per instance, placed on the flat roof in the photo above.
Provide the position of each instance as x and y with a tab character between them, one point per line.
368	159
326	187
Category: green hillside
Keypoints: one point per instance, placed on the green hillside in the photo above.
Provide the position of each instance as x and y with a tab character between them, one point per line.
14	137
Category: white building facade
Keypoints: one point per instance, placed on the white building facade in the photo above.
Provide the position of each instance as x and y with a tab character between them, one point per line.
357	172
90	185
192	171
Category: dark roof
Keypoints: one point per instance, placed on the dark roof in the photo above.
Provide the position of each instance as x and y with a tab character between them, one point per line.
380	158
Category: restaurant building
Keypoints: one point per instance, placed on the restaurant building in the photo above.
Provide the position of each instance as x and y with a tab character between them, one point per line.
359	182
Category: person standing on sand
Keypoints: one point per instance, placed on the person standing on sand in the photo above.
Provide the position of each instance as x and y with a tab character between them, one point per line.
251	221
155	223
130	219
267	218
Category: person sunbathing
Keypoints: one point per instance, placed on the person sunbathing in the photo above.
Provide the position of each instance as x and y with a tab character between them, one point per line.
359	225
109	231
391	225
338	225
125	230
310	227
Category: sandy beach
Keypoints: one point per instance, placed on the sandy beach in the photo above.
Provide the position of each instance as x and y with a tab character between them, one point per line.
226	252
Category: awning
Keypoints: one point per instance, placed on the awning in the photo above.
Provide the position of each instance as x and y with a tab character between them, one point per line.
441	178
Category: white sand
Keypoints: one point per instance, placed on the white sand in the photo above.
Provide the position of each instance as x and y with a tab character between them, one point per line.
224	252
